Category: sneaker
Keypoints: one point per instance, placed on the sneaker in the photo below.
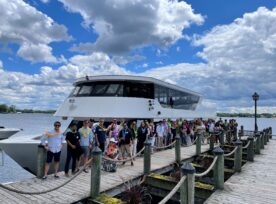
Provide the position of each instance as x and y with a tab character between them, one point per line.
85	170
67	175
56	176
44	178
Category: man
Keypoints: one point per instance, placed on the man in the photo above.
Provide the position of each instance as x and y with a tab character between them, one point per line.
73	148
53	147
125	141
100	134
86	141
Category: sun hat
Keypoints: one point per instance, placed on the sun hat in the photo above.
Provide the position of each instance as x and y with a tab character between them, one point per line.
112	140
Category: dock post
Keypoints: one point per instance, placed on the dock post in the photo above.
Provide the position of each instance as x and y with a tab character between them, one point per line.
262	140
250	149
270	133
41	158
221	138
238	156
258	143
95	172
198	144
147	158
219	168
265	137
267	134
241	132
187	189
212	141
177	150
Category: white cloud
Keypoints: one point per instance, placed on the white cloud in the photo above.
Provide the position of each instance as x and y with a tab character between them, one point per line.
241	59
22	24
127	24
50	87
36	53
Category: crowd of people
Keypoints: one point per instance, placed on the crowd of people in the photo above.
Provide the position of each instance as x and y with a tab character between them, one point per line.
120	140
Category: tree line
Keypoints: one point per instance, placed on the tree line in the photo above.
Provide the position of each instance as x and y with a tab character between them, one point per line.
4	108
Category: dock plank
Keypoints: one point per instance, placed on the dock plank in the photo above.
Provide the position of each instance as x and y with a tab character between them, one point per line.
79	188
255	184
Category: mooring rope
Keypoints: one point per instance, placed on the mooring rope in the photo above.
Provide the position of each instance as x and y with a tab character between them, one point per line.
173	191
157	148
247	145
125	160
209	169
48	190
229	154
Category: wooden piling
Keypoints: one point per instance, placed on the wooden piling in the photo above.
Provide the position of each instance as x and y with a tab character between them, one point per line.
250	149
262	140
238	156
147	158
187	190
177	150
258	143
219	168
95	173
41	158
198	144
212	141
265	137
221	138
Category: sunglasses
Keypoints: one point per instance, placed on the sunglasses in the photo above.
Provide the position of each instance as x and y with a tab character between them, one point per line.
57	125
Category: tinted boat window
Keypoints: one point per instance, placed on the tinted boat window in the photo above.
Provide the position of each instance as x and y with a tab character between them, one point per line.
112	89
99	89
85	90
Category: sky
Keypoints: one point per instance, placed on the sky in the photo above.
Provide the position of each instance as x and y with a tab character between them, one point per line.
225	50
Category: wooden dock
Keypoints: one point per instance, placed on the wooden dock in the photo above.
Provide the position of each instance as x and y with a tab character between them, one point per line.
79	188
255	184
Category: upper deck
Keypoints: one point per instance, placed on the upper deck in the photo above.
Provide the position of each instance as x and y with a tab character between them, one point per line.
167	94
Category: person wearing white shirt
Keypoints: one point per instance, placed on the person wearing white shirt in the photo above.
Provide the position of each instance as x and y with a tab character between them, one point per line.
52	142
160	134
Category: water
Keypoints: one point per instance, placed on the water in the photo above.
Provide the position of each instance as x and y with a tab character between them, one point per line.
31	123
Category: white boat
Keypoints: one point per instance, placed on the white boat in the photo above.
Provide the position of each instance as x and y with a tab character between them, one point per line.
128	97
131	97
7	132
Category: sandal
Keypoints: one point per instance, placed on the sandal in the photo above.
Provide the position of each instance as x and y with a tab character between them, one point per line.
44	178
56	176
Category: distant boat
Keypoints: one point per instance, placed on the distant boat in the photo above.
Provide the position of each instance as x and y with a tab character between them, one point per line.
5	133
19	112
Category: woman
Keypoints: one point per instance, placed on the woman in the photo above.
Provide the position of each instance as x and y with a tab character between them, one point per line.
134	129
73	148
141	136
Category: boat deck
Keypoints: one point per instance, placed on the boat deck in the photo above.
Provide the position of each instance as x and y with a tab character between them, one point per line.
255	184
79	188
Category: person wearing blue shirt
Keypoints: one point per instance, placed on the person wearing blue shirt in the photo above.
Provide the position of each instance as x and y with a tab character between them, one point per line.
100	134
86	140
52	141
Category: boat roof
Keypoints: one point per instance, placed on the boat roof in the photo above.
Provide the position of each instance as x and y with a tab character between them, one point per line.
133	78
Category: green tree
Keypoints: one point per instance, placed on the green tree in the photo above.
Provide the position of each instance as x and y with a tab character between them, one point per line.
4	108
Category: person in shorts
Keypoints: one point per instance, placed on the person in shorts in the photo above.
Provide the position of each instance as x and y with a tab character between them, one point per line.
86	141
52	141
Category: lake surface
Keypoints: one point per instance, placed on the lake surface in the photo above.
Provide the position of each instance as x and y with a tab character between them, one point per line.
36	124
